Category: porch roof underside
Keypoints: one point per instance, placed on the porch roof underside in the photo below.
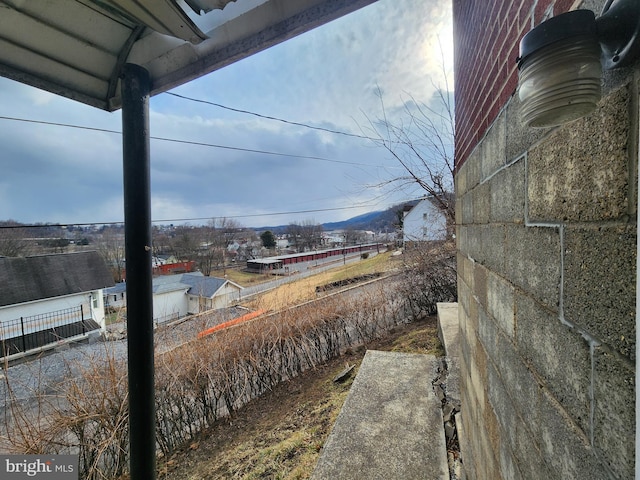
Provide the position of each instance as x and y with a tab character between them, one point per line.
76	48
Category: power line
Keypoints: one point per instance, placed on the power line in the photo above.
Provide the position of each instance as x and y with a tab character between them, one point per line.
268	117
188	142
193	219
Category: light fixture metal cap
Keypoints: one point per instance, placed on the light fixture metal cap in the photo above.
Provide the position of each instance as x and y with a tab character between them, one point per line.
566	25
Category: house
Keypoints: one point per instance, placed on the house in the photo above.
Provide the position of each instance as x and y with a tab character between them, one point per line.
546	223
46	298
176	296
425	221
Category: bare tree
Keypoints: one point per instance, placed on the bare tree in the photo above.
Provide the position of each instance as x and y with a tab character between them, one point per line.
111	247
422	143
184	243
216	237
13	240
353	236
305	236
204	245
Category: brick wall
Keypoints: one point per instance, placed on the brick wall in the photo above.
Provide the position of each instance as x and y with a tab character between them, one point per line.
487	35
546	231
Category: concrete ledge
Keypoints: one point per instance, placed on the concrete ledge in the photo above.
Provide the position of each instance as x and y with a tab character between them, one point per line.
390	426
448	332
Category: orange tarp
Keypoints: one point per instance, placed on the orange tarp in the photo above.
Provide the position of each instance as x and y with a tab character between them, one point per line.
230	323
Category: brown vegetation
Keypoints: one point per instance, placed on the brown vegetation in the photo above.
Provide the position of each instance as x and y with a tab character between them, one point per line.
281	433
199	383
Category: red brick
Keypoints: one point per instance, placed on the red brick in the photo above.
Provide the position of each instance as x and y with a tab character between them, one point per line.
562	6
487	38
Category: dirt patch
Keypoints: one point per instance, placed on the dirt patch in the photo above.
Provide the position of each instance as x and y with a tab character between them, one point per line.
346	282
280	434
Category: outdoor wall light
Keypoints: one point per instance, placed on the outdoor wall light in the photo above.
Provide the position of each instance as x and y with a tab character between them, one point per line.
561	61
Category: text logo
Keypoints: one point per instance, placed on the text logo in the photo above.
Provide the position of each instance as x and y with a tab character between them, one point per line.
50	467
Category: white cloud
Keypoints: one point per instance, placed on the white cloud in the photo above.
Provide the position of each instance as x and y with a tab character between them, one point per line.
326	77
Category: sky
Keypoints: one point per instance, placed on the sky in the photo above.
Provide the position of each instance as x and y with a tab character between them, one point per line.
332	77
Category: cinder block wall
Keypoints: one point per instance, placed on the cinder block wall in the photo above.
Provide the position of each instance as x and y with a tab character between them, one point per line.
546	231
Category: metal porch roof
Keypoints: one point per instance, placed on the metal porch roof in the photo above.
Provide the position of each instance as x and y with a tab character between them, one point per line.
76	48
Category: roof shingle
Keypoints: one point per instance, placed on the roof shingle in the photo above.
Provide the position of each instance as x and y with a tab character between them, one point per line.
25	279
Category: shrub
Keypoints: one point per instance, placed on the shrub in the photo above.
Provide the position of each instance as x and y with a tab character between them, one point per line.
429	276
200	381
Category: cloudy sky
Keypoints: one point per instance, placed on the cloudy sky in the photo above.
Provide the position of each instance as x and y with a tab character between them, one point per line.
328	77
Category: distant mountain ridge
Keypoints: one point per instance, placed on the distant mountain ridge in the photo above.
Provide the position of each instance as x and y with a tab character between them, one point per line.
376	221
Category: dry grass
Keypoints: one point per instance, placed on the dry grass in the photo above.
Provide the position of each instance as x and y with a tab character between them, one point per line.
280	434
241	277
304	289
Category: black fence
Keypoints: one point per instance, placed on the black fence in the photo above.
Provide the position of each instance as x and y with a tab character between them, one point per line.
27	333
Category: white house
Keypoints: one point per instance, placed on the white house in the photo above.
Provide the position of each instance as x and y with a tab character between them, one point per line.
176	296
424	222
46	298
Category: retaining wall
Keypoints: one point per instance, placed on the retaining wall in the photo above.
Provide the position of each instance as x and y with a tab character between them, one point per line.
546	231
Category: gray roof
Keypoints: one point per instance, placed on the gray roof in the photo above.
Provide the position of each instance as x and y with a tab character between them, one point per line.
194	283
201	285
25	279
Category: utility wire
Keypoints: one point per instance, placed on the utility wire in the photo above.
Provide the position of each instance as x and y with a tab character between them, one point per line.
268	117
173	220
188	142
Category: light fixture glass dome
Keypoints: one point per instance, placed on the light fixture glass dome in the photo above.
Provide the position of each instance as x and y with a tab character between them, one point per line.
560	82
561	60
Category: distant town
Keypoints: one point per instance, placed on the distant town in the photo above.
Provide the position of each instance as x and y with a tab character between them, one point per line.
219	244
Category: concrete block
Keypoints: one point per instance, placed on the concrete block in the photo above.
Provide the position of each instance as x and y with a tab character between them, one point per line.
460	181
474	316
466	208
464	294
614	414
500	303
488	334
599	284
493	148
508	194
502	406
477	370
480	284
462	239
493	245
520	383
481	203
533	259
474	168
517	440
560	356
519	138
469	241
465	270
564	447
580	172
465	375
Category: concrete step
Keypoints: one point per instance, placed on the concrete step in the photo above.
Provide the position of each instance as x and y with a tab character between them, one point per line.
390	426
